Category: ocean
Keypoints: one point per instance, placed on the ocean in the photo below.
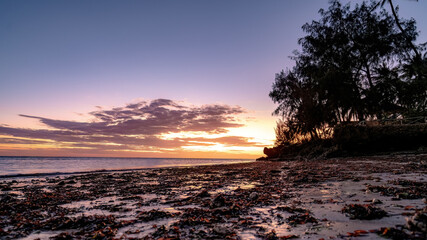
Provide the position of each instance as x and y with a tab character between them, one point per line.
33	166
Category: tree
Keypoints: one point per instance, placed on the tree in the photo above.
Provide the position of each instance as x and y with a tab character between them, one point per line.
397	21
414	95
349	68
414	71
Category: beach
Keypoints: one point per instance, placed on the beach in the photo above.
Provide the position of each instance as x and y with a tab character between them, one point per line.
340	198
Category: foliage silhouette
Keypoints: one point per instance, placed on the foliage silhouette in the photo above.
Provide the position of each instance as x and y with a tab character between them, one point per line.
355	64
397	21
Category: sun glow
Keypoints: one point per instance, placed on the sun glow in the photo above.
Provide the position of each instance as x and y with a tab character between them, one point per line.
261	131
185	135
217	129
221	148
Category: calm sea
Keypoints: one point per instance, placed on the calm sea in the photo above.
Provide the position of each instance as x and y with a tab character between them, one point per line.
15	166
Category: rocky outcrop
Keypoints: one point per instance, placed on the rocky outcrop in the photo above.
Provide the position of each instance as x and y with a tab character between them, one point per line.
272	152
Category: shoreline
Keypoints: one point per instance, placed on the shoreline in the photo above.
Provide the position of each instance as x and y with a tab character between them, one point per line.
43	174
256	200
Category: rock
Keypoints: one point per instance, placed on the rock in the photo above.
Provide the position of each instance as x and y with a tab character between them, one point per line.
376	201
271	152
203	194
219	201
253	196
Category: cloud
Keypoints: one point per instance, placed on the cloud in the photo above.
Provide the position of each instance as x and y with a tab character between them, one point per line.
139	126
158	117
20	141
227	141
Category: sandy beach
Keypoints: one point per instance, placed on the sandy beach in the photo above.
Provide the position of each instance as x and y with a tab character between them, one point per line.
342	198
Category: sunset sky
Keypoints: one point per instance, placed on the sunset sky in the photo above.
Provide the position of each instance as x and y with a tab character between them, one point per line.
148	78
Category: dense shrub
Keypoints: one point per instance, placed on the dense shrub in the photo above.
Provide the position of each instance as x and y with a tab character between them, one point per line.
371	139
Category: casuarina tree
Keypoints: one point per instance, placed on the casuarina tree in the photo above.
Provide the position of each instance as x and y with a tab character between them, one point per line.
354	64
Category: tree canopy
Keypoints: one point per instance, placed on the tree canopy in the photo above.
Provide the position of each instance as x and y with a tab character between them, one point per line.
354	64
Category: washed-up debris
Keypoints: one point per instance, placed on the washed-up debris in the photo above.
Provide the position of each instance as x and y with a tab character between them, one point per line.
273	236
62	236
203	194
357	233
113	208
153	215
418	222
413	192
6	188
237	201
220	201
363	212
95	226
291	236
301	219
399	233
408	183
291	209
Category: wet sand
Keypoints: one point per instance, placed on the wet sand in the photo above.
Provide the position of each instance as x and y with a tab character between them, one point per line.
346	198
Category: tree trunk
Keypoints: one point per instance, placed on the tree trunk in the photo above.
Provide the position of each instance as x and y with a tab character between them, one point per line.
396	18
368	75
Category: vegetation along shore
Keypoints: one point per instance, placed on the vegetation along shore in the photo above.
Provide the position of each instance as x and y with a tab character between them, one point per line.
359	86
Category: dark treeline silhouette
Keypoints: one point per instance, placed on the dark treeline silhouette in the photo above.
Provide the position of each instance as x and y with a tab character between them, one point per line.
355	64
397	20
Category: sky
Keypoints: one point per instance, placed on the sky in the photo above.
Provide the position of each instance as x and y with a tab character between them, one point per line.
148	78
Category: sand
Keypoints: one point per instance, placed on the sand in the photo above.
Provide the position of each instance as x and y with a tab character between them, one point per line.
359	197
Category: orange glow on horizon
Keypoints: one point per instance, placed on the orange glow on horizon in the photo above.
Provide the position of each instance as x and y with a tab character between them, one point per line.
245	138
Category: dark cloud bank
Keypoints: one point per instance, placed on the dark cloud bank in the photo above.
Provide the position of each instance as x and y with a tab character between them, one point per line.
137	127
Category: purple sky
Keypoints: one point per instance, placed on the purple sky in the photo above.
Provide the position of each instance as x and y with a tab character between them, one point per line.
59	60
